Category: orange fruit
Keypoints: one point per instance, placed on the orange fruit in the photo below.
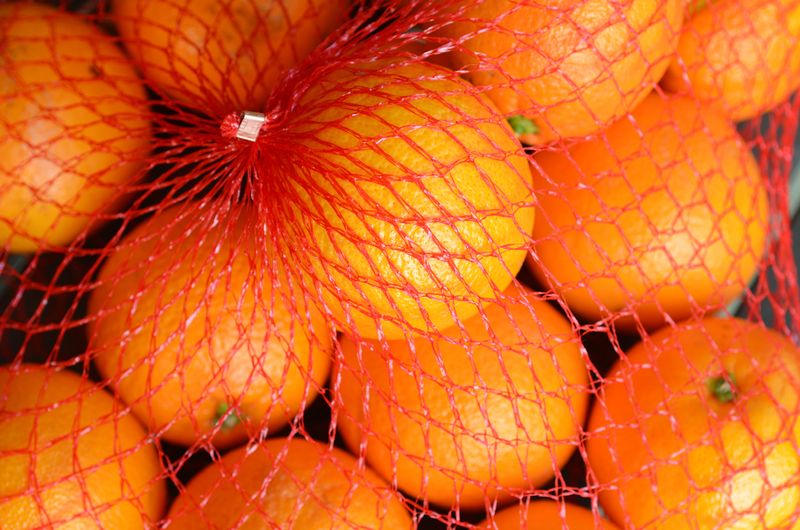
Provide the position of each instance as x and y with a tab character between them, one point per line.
413	198
663	217
230	52
546	515
73	119
474	415
201	335
288	483
743	55
571	68
698	428
71	456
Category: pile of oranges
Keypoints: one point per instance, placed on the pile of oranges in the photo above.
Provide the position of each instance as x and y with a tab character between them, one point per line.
419	235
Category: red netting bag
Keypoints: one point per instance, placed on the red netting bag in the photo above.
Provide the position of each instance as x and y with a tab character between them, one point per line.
399	264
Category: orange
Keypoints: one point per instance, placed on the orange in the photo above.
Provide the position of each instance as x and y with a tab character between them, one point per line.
698	428
474	415
71	456
663	217
741	54
73	119
411	200
229	52
199	333
288	483
570	67
546	515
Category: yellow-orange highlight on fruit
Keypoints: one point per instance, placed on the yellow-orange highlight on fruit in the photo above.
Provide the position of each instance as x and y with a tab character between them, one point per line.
74	127
472	415
742	55
230	52
662	217
412	199
698	428
288	483
564	69
71	456
201	335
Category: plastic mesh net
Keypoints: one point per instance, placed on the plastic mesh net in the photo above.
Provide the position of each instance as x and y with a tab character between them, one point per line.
371	264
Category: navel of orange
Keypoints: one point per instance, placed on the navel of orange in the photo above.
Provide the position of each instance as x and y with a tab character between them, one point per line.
698	428
565	69
201	335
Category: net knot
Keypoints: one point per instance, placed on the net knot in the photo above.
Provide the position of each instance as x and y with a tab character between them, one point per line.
230	125
244	126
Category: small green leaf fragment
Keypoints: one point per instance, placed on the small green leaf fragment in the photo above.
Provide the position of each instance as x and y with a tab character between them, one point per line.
696	5
522	125
227	418
722	388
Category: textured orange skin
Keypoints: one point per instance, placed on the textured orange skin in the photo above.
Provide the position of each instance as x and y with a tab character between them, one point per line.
71	456
414	208
546	515
671	220
73	124
571	67
679	459
180	331
231	51
461	425
298	484
743	55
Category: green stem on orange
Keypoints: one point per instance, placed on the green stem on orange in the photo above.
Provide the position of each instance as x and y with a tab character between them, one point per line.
722	387
226	417
522	125
696	5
